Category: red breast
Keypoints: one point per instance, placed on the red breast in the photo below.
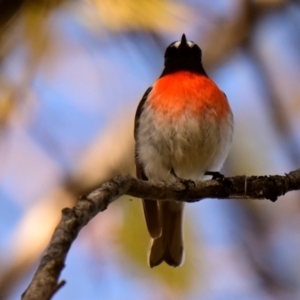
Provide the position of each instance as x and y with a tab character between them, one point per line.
183	91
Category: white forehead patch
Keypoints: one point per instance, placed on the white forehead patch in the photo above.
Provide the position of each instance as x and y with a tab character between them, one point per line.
177	44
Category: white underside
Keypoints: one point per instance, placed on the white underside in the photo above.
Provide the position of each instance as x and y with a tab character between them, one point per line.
189	145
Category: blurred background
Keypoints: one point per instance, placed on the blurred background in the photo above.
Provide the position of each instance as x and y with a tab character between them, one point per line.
71	76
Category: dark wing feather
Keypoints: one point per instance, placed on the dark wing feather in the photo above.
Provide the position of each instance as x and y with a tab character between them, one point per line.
139	111
150	206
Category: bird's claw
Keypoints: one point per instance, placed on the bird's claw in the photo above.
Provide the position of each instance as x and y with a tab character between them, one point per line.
215	175
186	182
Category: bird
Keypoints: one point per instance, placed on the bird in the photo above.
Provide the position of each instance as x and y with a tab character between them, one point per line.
183	130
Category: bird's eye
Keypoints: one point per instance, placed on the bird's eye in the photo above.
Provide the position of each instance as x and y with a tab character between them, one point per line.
196	50
171	51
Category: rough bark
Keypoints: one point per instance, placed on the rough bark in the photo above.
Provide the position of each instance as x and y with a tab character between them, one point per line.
46	279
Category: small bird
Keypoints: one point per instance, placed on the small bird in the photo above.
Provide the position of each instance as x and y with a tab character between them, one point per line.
183	131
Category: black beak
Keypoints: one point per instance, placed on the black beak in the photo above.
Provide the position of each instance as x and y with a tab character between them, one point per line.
183	45
183	40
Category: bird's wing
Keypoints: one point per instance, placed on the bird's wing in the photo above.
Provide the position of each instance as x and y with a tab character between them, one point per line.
150	206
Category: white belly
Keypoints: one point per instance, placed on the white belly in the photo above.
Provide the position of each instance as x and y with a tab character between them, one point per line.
189	146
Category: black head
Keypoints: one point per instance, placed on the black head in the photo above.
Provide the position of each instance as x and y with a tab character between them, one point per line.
183	55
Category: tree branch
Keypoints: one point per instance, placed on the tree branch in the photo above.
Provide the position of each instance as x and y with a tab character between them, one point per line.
45	281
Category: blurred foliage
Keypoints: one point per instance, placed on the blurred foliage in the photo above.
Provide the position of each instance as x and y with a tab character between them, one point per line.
148	15
23	24
224	36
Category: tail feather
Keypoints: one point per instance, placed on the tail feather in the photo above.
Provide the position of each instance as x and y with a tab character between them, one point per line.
156	252
151	213
169	246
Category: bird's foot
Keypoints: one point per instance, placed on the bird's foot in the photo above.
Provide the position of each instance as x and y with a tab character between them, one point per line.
215	175
186	182
221	178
